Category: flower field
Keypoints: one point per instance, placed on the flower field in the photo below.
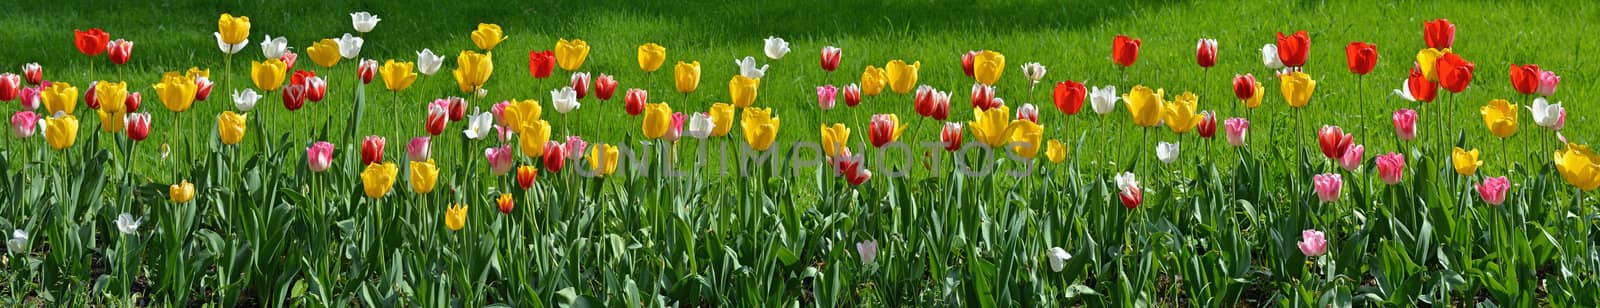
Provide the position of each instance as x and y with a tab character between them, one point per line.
898	153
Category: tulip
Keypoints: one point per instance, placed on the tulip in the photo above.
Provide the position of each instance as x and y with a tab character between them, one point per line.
1579	166
675	130
686	76
924	101
1269	57
1417	87
1028	112
398	76
830	58
504	133
372	150
983	96
1439	33
519	114
233	30
274	48
1391	167
835	139
1237	129
651	56
743	90
1125	50
1500	117
574	146
1526	78
1103	100
1180	114
1144	105
852	95
458	107
316	89
419	149
424	174
111	95
319	156
534	137
1544	113
990	126
29	97
505	204
350	46
1548	81
1352	157
1428	61
91	43
1128	190
634	101
580	85
1055	151
1058	258
59	97
760	128
18	242
231	127
33	73
1493	190
138	125
776	47
850	167
10	85
902	77
182	192
1405	124
701	125
564	99
438	117
1465	162
267	76
873	80
1294	49
1333	141
825	96
127	224
131	103
525	177
112	121
987	66
1167	152
570	54
245	100
89	97
554	156
60	131
487	36
1027	136
294	97
202	89
722	114
1455	73
364	21
950	135
428	63
968	60
1205	53
119	51
657	119
1312	243
603	160
324	52
605	87
455	217
22	124
1208	125
747	68
1361	57
1327	186
884	128
1069	96
1297	88
868	250
368	68
1244	88
500	159
473	70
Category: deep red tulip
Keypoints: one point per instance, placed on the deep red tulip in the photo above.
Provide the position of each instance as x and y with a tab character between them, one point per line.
1525	78
1294	49
967	61
294	96
634	101
1069	97
1421	88
10	86
372	150
1439	33
32	73
852	95
1125	50
1244	87
541	63
119	51
367	70
850	167
91	43
299	77
1361	56
580	84
1208	125
555	155
1455	73
830	58
438	117
202	88
137	126
1206	53
316	89
604	87
458	108
132	102
1333	141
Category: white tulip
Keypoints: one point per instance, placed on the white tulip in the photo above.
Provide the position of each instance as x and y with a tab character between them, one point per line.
245	100
1125	180
127	224
1269	56
1058	258
364	21
1404	92
1034	71
273	48
230	49
701	125
1544	113
565	99
747	67
1167	152
479	125
868	250
350	46
428	63
776	47
18	242
1104	100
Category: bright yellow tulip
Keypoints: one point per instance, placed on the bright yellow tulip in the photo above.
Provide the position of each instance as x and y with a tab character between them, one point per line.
195	72
59	97
111	96
176	91
743	90
1500	116
570	54
473	70
423	176
268	76
533	138
1465	162
1056	151
603	153
111	121
989	126
487	36
987	66
230	126
455	217
686	76
61	131
1180	113
722	116
760	128
657	119
398	76
377	179
1579	166
1297	88
325	52
651	56
1145	105
233	30
903	77
835	139
181	192
522	115
1427	58
873	79
1028	133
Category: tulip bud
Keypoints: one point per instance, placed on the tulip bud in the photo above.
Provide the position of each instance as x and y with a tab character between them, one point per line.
137	125
1238	130
1208	125
830	58
89	97
419	149
634	101
825	96
119	51
1313	243
580	84
951	136
202	89
1206	53
604	87
1405	124
525	177
554	156
319	156
294	96
367	70
1244	87
852	95
437	117
372	150
10	86
1391	167
1327	186
983	97
33	73
967	60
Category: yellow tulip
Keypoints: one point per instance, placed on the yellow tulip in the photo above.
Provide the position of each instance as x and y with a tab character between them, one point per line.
195	72
473	70
1297	88
657	119
1145	105
59	97
651	56
398	76
987	66
455	217
743	90
1427	58
1255	101
423	176
873	80
1579	166
377	179
989	126
61	131
233	30
903	77
760	128
1501	117
1466	162
111	121
230	126
325	52
1028	133
722	116
268	76
686	76
176	91
1180	113
606	153
570	54
487	36
835	139
533	138
522	115
181	192
1056	151
111	96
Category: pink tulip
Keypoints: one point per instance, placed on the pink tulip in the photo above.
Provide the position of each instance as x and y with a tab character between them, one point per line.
1405	124
675	131
1561	121
504	133
500	159
868	250
29	97
22	124
1327	186
499	112
1493	190
1352	158
1548	81
419	149
826	95
574	147
319	156
1238	129
1313	243
1391	167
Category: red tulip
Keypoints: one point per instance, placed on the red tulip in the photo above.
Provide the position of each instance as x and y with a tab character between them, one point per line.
1294	49
983	96
540	63
1069	97
10	86
1125	50
1333	141
89	98
132	102
438	117
850	167
932	103
371	150
299	77
1455	73
951	136
1028	112
555	155
634	101
1206	53
604	87
33	73
830	58
525	177
316	89
119	51
294	96
852	95
1525	78
967	61
202	88
367	69
883	129
1439	33
91	43
1130	197
137	126
1361	56
1421	88
1244	87
458	108
580	83
1208	125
